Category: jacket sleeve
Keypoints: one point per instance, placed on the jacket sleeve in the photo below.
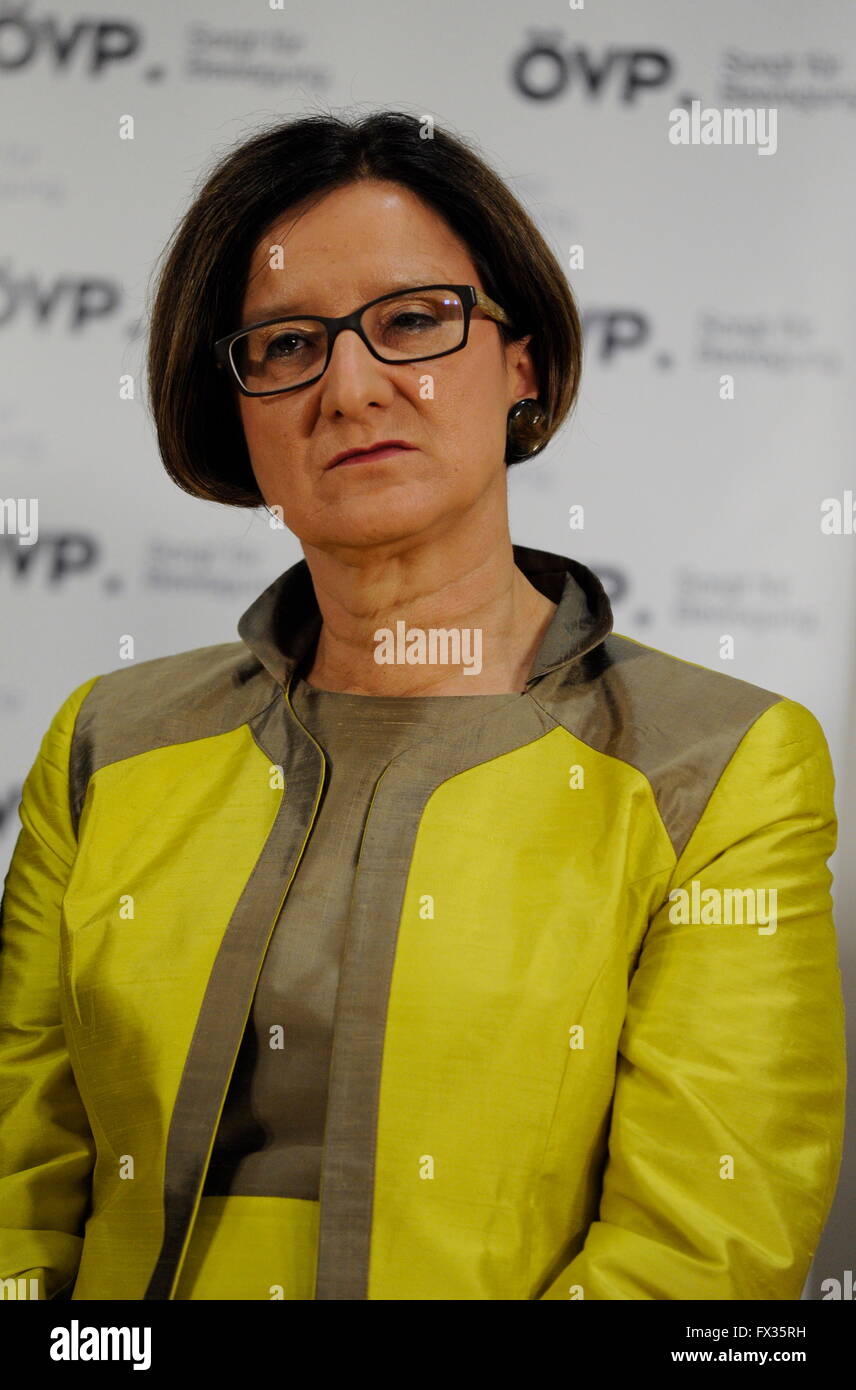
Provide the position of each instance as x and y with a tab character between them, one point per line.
728	1110
46	1146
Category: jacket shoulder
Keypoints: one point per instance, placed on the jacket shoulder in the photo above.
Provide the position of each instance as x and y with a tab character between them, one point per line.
679	723
700	693
167	700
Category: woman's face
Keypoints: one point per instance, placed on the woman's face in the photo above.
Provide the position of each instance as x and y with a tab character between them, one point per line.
359	242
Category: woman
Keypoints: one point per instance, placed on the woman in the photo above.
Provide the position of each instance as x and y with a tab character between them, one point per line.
432	941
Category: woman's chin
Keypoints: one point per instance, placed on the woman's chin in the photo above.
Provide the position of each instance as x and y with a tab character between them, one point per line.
362	524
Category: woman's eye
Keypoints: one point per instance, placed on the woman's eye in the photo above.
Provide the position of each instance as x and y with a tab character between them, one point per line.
278	347
412	319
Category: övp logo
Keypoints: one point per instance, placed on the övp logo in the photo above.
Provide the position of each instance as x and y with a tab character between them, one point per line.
547	68
90	46
65	300
55	558
610	332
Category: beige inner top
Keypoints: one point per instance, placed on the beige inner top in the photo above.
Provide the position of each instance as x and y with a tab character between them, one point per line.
271	1132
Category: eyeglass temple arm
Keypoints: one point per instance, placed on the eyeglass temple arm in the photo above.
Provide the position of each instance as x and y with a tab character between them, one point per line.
491	307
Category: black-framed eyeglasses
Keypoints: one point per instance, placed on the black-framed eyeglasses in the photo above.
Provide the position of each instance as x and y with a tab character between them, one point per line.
411	325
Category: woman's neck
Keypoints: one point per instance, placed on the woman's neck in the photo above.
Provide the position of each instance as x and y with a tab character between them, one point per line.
410	626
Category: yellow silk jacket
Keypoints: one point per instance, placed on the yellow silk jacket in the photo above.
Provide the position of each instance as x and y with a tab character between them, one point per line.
589	1035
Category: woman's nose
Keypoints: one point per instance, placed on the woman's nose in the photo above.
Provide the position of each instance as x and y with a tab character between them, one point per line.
352	372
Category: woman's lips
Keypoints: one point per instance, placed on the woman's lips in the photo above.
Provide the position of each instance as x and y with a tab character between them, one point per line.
372	455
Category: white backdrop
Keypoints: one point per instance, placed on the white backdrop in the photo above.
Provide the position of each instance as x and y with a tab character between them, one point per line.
702	513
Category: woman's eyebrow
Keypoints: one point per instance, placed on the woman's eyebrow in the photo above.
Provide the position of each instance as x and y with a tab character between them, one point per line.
298	304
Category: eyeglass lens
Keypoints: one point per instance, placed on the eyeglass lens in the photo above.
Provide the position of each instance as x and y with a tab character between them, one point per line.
404	329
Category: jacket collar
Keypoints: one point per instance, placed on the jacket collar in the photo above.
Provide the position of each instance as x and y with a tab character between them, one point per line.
281	625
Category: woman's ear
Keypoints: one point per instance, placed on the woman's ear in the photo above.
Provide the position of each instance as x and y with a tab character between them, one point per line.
523	379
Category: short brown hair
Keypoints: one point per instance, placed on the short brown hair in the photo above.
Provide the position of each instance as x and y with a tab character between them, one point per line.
202	279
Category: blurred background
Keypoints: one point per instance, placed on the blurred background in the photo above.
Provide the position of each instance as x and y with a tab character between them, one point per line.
712	450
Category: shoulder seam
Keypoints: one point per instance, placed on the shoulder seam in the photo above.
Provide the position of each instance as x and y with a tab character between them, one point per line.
73	817
615	758
746	732
677	842
78	788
